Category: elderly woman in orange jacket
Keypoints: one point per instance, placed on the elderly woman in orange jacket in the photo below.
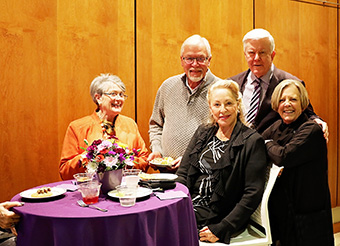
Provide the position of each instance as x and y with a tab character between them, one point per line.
108	93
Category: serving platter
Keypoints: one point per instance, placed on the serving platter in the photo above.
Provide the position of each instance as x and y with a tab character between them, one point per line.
142	192
162	162
55	192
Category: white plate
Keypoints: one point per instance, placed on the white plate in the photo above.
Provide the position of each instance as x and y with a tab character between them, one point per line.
160	165
141	192
159	176
54	190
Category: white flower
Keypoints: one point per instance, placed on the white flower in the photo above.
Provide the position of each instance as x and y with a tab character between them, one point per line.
129	162
110	161
92	167
106	144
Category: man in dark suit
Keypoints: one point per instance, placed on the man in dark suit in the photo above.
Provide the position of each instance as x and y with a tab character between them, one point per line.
259	51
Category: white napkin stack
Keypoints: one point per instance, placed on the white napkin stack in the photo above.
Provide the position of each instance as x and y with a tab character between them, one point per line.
171	195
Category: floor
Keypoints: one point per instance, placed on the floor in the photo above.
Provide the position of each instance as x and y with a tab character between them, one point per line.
337	239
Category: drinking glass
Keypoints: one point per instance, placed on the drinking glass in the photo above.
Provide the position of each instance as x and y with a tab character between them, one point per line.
90	191
83	177
131	177
127	195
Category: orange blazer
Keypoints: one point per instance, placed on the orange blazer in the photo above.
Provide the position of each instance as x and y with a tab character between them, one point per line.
89	127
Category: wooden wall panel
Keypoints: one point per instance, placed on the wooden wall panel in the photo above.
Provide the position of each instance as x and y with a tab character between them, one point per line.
162	27
338	114
306	45
51	51
94	37
28	133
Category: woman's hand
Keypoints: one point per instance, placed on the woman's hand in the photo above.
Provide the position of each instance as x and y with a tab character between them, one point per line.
8	218
207	236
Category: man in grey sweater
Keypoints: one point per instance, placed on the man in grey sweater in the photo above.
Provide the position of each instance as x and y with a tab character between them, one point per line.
180	104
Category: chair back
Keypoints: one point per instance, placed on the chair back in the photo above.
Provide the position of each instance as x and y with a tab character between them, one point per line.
261	214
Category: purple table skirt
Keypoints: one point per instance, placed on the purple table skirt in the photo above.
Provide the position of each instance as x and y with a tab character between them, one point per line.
151	222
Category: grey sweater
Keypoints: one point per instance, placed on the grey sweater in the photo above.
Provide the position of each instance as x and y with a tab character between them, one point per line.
177	113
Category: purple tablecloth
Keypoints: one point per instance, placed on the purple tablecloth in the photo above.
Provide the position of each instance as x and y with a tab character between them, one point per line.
151	222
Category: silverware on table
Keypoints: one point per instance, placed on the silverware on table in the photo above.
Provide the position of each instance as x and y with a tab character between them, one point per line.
83	204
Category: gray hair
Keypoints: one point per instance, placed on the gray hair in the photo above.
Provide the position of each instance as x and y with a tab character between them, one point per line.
257	34
102	82
196	39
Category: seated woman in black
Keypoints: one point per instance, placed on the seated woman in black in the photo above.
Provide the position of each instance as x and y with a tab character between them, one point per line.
224	166
299	205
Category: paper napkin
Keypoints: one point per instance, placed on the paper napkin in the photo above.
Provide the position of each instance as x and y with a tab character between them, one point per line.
171	194
69	187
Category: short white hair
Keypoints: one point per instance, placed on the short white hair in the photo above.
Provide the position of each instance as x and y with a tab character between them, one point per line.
195	39
101	83
257	34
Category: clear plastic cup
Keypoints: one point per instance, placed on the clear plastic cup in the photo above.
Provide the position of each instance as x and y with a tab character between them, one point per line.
83	177
90	191
131	177
127	195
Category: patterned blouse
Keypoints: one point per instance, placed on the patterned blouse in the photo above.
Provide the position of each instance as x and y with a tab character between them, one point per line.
209	178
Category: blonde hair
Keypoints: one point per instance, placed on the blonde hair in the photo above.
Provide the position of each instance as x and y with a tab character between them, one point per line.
233	87
285	83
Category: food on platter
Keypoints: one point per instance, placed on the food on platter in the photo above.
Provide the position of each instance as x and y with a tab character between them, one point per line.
166	161
42	192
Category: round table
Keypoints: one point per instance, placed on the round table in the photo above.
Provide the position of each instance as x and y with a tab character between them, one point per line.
62	222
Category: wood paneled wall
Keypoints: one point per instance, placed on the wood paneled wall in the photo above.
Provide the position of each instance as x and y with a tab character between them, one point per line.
162	27
28	85
51	51
94	37
306	46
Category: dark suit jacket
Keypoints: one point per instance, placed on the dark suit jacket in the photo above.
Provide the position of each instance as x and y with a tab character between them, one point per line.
266	115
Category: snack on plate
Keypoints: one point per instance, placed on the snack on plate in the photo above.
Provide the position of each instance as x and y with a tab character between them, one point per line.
162	161
43	192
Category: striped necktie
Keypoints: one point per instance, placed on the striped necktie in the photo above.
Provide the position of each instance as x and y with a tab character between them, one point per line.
254	102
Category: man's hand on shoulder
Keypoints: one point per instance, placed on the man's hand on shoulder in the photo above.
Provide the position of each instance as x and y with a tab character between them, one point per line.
324	127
